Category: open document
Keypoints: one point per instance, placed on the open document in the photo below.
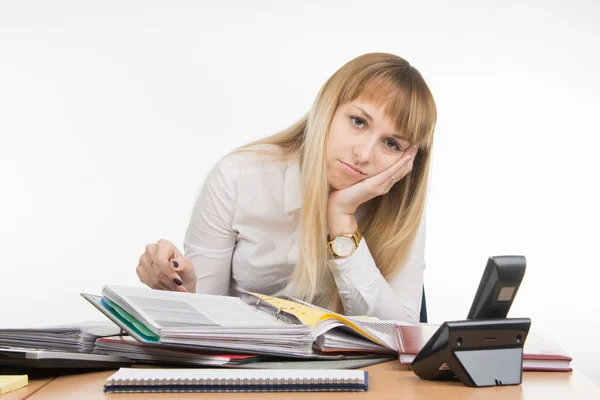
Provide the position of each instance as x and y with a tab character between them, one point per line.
253	324
205	321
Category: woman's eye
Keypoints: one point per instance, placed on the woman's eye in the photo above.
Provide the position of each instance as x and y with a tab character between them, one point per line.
392	145
357	120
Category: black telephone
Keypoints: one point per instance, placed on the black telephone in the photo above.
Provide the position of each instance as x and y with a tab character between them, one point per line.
486	349
501	279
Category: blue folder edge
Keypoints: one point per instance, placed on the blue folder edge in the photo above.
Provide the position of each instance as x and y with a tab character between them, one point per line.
102	306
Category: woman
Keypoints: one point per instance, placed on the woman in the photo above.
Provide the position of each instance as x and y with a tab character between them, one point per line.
292	213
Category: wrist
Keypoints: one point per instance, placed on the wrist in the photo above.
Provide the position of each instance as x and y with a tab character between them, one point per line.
344	235
337	204
340	222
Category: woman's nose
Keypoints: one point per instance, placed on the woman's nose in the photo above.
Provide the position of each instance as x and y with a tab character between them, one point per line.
364	151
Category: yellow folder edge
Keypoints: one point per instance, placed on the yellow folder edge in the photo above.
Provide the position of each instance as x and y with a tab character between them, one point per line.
310	316
8	383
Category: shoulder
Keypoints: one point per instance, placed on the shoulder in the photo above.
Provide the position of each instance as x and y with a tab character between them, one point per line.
256	159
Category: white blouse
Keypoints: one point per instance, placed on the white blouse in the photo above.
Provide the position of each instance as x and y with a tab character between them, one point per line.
244	235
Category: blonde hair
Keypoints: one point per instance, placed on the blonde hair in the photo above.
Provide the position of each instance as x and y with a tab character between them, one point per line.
391	221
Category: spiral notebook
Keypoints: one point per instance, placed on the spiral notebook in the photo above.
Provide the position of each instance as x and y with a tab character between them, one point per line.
145	380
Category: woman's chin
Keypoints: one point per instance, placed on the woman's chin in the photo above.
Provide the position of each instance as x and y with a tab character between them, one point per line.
339	184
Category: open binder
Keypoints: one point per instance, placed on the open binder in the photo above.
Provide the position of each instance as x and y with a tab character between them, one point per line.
357	334
253	324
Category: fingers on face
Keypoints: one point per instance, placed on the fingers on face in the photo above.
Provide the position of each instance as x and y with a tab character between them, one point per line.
413	150
398	172
396	169
404	170
406	164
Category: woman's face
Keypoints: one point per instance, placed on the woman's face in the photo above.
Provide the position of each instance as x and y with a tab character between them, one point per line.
362	142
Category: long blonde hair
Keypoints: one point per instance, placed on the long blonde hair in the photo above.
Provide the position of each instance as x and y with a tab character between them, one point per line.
389	222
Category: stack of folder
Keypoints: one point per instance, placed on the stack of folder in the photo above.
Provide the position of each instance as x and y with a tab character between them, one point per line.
261	325
255	330
126	346
78	338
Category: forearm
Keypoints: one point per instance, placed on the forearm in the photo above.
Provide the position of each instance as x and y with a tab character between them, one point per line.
340	222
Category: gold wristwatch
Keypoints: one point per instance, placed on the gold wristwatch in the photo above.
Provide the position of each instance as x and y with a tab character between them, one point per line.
343	245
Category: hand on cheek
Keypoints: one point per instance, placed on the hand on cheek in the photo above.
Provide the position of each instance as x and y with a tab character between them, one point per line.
347	200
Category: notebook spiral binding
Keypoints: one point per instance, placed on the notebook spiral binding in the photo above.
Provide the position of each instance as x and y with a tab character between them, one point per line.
231	381
229	384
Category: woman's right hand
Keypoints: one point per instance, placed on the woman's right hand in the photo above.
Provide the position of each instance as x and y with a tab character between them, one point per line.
163	267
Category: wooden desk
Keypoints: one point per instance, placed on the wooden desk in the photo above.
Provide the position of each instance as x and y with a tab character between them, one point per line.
33	386
386	381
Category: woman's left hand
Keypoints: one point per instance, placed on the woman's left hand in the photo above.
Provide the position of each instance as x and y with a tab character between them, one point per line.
347	200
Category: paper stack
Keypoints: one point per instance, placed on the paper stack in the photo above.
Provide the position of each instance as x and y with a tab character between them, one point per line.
78	338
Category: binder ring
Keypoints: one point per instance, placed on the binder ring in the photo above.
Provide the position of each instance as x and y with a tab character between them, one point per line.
257	305
281	309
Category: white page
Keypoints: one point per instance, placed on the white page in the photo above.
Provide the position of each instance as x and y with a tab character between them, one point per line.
219	322
162	309
346	340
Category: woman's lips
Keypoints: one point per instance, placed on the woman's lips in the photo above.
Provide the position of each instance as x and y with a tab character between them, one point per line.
350	170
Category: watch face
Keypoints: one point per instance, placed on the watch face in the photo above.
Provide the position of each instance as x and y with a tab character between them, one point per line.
343	246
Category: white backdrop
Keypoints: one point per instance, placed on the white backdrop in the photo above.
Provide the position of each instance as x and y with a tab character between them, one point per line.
112	112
